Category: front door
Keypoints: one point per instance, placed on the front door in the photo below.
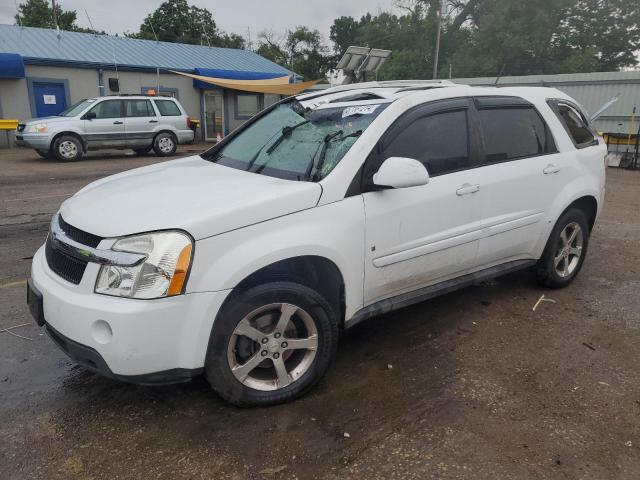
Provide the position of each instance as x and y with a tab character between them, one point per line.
50	98
106	128
423	235
213	115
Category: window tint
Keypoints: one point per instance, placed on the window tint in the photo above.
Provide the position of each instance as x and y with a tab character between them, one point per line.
512	133
576	125
138	108
168	108
247	104
439	141
108	109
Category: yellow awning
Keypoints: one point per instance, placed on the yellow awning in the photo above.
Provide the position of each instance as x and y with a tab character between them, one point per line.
280	85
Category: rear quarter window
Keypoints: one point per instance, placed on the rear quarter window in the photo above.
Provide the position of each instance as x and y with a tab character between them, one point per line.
168	108
575	123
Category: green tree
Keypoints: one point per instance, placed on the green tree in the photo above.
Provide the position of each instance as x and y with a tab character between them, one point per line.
39	13
300	50
178	22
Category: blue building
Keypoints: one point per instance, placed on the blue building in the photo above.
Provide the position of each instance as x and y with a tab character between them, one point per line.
43	71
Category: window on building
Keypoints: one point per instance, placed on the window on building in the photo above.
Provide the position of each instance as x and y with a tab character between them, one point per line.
138	108
168	108
270	99
512	133
247	105
576	125
108	109
439	141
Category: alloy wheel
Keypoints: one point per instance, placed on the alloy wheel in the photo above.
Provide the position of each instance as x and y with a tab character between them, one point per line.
569	250
273	346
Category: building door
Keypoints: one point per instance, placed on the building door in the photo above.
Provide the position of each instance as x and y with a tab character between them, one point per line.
213	115
50	98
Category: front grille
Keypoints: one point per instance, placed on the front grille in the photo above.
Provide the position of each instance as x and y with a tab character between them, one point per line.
78	235
62	264
67	267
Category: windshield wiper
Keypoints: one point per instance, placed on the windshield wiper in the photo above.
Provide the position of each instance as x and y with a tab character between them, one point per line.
323	151
285	131
325	147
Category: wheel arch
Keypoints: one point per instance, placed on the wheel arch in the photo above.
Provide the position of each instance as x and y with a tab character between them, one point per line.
71	134
589	205
314	271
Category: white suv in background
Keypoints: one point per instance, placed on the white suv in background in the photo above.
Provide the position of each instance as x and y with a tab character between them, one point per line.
139	123
245	262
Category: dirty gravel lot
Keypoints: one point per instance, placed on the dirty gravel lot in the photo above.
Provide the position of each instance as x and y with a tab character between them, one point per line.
471	385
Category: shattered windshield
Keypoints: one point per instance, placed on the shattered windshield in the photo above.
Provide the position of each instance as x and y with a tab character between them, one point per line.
298	143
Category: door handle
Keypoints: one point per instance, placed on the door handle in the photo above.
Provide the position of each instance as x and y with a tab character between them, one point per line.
117	122
467	189
153	121
551	168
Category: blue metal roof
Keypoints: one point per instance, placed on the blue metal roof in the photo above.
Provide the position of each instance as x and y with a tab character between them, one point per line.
42	46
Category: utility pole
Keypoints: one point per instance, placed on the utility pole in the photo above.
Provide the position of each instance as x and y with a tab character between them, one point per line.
436	54
55	14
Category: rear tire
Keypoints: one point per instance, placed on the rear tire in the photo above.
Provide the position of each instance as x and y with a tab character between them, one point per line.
271	344
165	144
565	251
67	148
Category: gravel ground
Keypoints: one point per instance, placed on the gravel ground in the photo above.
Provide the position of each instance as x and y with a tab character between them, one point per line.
470	385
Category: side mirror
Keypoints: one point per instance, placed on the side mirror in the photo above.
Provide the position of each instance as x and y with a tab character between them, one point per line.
401	172
89	116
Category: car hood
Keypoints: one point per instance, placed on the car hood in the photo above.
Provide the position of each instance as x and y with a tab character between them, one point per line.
191	194
47	120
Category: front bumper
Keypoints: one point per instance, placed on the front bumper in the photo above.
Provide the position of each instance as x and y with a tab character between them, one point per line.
33	140
142	341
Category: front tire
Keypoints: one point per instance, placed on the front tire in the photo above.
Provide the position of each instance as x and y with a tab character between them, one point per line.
566	250
67	148
165	144
271	344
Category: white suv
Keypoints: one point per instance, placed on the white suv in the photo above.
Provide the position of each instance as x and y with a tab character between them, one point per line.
244	263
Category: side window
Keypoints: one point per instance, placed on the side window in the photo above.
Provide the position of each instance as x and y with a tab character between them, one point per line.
108	109
440	141
138	108
168	108
576	125
513	133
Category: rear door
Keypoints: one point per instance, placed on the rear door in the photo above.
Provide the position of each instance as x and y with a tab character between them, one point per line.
106	129
522	175
422	235
140	122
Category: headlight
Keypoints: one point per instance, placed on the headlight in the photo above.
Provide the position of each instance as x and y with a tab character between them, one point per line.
37	128
162	274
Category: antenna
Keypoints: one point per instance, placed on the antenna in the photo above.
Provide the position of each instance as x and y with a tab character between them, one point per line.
153	29
90	22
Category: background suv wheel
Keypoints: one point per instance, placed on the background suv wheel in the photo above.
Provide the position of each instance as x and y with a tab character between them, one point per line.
565	251
271	344
165	144
67	148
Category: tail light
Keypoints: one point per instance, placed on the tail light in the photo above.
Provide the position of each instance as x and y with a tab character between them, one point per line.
188	121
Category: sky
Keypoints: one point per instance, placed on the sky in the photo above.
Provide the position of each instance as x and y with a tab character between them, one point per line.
238	16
